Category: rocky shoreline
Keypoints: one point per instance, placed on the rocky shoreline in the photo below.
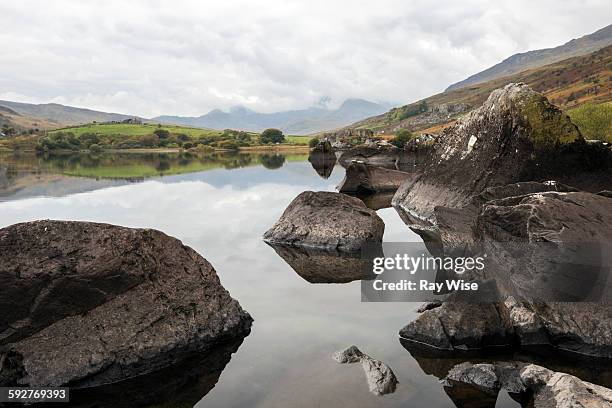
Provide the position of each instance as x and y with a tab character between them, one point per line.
515	172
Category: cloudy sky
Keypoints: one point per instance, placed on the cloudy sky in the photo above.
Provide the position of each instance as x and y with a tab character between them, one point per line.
188	57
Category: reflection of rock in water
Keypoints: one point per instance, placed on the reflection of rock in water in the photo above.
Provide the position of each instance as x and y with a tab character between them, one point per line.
380	377
93	304
319	266
181	385
440	362
361	178
322	162
377	201
272	161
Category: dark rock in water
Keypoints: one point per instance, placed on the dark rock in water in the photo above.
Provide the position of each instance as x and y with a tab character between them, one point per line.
549	254
319	266
324	146
460	326
546	388
381	379
560	390
439	362
322	160
382	156
326	220
549	246
517	135
364	179
92	304
377	201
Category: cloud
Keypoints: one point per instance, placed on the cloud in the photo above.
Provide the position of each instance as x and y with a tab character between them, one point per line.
188	57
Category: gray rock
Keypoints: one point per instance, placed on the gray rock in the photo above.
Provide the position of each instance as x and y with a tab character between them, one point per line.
93	304
361	178
517	135
380	377
549	389
482	376
382	156
560	390
460	326
326	220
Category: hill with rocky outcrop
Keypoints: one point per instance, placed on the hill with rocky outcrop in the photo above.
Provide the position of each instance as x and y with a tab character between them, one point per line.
567	84
537	58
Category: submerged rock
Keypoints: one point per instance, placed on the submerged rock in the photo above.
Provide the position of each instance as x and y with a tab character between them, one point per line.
364	179
326	220
517	135
91	304
380	377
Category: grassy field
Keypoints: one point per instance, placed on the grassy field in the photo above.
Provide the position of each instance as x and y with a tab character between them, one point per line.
122	130
125	129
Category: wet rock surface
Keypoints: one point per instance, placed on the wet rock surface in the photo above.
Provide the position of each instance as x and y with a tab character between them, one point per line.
381	156
517	135
545	388
328	221
380	377
92	304
364	179
548	254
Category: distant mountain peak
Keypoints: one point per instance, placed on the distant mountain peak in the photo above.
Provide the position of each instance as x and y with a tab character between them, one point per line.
315	119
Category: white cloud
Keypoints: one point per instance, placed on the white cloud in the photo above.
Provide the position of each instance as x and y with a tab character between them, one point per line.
188	57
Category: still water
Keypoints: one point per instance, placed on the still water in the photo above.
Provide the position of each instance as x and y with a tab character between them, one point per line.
220	206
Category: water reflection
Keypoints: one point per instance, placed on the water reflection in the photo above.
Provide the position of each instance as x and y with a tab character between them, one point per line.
181	385
323	163
318	266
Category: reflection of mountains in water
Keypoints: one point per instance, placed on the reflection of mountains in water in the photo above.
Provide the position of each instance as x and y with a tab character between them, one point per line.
58	175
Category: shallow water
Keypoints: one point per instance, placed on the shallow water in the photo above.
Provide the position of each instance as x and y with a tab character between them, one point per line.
222	211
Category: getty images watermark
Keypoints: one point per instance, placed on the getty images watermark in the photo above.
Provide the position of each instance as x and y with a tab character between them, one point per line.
411	265
535	271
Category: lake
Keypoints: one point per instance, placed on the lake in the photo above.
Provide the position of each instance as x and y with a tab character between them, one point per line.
220	205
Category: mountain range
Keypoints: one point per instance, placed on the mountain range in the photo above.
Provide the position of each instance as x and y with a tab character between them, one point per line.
295	122
571	74
538	58
568	83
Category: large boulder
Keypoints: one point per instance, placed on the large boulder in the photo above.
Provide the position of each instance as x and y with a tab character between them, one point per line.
517	135
88	304
326	220
549	254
